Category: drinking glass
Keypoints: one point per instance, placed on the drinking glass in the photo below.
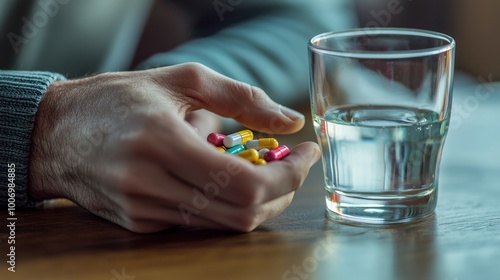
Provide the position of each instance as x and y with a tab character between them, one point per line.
381	103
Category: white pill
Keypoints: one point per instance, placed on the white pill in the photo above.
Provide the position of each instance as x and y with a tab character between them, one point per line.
232	140
262	152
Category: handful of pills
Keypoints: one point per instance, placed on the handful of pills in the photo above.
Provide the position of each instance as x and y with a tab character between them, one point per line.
257	151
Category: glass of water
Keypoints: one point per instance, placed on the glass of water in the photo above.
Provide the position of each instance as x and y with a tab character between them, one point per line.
381	103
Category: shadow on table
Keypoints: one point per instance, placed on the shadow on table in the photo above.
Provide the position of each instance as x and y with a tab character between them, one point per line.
405	251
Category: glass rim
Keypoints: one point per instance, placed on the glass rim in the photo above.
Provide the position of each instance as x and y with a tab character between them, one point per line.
382	54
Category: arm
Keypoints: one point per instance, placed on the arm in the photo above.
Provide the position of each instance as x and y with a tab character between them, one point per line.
262	43
20	94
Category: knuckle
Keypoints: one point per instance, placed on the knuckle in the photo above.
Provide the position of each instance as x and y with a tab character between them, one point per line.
186	78
195	67
135	219
135	143
188	81
126	186
257	94
249	220
252	195
195	72
252	94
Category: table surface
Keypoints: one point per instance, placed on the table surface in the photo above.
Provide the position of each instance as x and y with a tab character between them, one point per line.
460	241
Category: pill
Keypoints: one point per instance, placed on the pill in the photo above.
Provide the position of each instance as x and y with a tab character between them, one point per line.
277	154
260	162
262	152
236	149
269	143
240	137
221	149
251	155
216	139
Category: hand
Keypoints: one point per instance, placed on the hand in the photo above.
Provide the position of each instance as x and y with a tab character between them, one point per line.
124	146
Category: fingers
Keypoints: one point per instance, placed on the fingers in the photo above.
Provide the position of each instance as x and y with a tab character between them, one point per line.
234	179
146	199
220	215
198	87
154	217
149	200
200	165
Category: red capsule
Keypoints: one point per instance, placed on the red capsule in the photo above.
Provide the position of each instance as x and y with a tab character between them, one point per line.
277	154
216	139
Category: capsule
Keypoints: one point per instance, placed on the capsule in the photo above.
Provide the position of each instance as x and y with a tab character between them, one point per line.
262	152
258	144
216	139
260	162
277	154
236	149
251	155
220	149
240	137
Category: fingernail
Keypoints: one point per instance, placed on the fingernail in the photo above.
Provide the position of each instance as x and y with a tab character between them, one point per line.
291	114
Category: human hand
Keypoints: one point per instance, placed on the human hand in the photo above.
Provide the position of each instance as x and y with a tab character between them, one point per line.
123	146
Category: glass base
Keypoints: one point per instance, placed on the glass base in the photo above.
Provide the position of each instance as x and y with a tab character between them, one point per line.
382	209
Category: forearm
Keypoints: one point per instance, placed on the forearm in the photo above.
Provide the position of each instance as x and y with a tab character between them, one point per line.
20	95
268	50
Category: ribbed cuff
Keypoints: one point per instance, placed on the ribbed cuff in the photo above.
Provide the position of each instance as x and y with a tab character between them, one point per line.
20	95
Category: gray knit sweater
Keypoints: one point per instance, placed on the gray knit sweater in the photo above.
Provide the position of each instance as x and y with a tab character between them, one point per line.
20	94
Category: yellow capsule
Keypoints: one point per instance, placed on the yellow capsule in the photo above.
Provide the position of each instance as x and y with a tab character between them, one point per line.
238	138
220	149
259	144
260	161
251	155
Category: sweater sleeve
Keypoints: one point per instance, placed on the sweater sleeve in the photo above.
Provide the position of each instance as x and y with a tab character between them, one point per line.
268	48
20	95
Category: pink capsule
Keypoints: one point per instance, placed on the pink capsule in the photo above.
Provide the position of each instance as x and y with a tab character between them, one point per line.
277	154
216	139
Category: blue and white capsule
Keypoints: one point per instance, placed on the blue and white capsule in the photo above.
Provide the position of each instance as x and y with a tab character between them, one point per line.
236	149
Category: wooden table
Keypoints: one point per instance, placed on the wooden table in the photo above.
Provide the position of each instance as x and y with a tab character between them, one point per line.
461	241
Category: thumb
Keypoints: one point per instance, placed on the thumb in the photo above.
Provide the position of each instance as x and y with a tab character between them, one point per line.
199	87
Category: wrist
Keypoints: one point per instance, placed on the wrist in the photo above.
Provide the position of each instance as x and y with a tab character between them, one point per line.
42	165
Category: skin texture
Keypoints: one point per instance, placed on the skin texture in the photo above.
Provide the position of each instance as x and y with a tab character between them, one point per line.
131	147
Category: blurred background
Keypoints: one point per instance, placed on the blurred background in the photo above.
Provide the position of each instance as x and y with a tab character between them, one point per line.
116	26
475	25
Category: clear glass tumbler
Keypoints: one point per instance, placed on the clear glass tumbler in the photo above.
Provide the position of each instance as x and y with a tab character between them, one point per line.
381	103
